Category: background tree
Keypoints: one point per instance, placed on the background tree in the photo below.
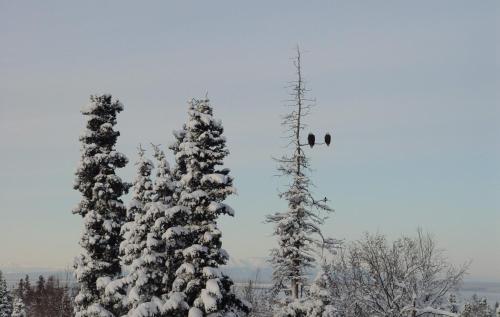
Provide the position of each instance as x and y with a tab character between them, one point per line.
159	218
19	309
65	302
298	228
154	269
135	233
24	290
5	298
101	208
20	290
40	305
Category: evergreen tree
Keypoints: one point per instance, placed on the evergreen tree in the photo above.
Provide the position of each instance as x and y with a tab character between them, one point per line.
198	282
176	219
19	309
160	217
51	305
176	234
65	302
135	233
298	228
143	280
39	305
27	294
155	266
101	208
5	298
20	290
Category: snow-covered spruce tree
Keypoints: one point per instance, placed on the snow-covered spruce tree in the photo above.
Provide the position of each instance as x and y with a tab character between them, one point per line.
177	234
134	233
154	267
298	228
5	298
164	218
101	208
19	309
199	285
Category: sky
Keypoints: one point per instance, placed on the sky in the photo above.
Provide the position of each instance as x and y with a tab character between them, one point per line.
408	89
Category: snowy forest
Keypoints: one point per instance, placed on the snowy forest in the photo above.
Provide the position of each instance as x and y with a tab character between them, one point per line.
160	253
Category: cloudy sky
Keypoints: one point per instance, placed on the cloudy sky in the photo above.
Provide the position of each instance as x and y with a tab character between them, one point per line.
408	89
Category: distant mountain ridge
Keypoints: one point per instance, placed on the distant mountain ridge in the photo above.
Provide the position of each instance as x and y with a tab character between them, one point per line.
255	269
241	270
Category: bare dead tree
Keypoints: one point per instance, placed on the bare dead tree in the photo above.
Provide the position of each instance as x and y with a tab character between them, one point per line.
298	228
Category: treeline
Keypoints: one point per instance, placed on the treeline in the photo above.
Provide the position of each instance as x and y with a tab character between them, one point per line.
47	297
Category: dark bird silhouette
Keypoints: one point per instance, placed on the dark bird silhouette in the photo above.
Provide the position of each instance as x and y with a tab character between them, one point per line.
311	139
328	139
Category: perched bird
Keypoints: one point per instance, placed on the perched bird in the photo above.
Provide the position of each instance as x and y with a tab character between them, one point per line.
311	139
328	139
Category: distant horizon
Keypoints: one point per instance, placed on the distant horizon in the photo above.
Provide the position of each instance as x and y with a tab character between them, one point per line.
243	264
50	270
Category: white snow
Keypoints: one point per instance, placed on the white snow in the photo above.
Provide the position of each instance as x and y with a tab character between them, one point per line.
195	312
211	272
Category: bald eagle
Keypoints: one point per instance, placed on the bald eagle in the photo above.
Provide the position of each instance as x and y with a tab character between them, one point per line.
311	139
328	139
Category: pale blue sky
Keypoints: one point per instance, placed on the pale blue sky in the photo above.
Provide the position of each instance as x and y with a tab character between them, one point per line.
409	89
